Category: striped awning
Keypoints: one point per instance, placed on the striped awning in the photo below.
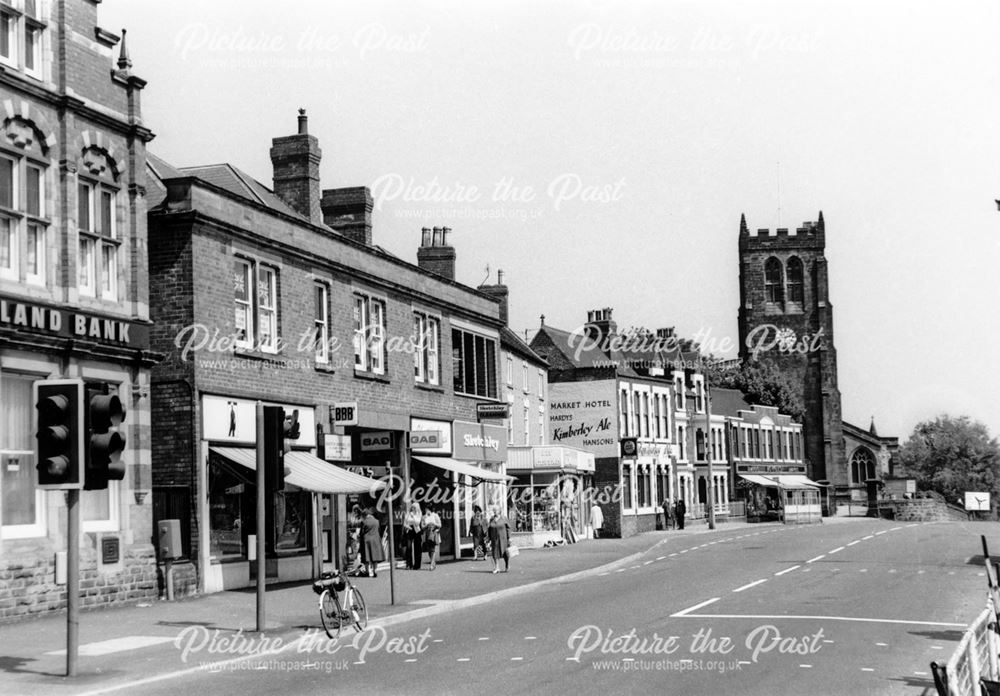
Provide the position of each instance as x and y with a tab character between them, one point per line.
307	472
459	467
784	481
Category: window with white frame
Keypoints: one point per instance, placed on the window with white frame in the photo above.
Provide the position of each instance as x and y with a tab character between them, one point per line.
527	423
645	414
427	338
623	416
255	303
681	444
23	215
98	239
627	477
541	425
680	401
510	371
21	35
636	417
321	322
369	334
541	384
524	377
22	504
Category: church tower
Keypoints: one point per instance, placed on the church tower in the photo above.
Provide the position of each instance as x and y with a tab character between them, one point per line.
785	317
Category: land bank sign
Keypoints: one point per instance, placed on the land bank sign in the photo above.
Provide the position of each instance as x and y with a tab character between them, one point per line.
582	414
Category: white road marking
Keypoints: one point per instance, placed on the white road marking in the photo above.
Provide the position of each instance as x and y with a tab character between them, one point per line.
880	533
412	659
839	548
484	638
827	641
660	558
937	647
806	570
867	669
106	647
461	659
749	585
912	525
856	541
673	554
921	674
921	572
822	555
863	570
515	659
621	570
895	529
892	570
787	570
882	645
684	551
647	562
602	574
870	536
806	666
437	640
686	614
696	607
530	638
744	662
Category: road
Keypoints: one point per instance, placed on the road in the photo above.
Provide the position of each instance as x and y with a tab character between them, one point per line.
858	607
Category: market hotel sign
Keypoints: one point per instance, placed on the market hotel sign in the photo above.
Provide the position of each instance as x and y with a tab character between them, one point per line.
18	314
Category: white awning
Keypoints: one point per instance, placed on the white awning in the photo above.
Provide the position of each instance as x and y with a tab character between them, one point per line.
305	471
465	468
785	481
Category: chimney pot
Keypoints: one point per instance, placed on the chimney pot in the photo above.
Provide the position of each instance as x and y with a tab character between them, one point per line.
425	239
499	276
303	122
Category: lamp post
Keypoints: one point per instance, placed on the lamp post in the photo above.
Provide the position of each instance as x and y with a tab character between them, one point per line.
710	488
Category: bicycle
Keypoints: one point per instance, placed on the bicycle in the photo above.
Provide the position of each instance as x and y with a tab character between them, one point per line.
331	612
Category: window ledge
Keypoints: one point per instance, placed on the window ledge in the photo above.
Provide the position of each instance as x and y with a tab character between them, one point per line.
423	386
324	367
255	354
371	376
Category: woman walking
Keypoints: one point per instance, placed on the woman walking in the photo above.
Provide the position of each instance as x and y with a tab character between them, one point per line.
372	543
477	529
412	537
432	535
499	533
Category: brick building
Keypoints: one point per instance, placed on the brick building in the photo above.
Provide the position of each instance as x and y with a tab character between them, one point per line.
282	296
785	317
73	295
606	386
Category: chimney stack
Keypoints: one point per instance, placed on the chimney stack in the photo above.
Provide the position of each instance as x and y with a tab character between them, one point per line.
500	292
600	325
349	211
435	254
295	159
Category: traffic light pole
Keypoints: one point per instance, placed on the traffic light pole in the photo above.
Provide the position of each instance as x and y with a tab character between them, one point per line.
72	580
708	454
261	519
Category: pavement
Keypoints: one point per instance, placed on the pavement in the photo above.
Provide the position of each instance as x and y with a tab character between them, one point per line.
119	646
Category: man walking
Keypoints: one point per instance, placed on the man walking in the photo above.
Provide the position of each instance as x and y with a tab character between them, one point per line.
679	510
668	513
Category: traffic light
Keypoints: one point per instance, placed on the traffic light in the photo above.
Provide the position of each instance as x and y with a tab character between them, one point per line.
105	412
59	405
274	447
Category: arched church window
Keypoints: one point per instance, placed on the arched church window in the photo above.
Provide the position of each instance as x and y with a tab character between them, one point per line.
862	465
773	281
795	284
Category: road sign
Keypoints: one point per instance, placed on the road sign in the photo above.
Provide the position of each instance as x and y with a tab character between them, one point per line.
977	501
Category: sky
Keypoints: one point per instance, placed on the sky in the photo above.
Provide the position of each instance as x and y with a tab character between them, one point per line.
601	154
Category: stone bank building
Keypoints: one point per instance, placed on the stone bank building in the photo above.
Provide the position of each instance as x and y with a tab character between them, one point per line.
73	295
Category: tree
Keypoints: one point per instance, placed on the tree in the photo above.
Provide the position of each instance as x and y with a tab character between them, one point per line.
952	456
762	382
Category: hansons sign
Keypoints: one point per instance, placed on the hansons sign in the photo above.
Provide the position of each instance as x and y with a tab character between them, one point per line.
583	414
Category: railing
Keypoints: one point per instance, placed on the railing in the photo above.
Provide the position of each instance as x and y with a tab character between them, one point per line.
699	510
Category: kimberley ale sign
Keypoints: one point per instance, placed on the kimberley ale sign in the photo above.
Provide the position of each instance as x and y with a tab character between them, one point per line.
56	321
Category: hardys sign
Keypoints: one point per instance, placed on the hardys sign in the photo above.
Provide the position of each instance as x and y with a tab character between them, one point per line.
584	415
54	321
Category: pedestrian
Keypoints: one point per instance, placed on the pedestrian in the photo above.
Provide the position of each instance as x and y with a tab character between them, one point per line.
372	543
668	512
352	560
499	533
571	523
432	535
596	519
679	510
477	530
412	536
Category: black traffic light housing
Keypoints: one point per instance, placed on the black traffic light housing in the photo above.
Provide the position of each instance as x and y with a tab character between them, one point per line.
279	429
60	412
105	442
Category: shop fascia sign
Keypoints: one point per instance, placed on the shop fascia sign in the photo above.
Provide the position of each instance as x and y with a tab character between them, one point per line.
653	450
233	420
430	436
479	441
37	317
376	441
769	469
488	411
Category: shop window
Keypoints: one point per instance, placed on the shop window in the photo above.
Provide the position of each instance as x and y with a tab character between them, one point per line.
519	496
427	337
473	364
545	508
291	521
321	322
22	504
369	334
231	505
174	503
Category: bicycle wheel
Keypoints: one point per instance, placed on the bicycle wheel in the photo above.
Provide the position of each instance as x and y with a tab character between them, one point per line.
329	614
359	612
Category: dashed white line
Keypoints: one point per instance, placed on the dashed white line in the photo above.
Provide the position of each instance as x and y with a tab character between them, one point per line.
647	562
806	666
863	570
937	647
881	533
827	641
822	555
921	674
856	541
749	585
516	659
787	570
437	640
603	574
892	570
530	638
867	669
660	558
839	548
870	536
696	607
463	659
882	645
912	525
484	638
621	570
895	529
412	659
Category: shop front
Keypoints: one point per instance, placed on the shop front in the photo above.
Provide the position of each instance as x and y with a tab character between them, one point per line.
461	469
792	498
550	495
296	545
